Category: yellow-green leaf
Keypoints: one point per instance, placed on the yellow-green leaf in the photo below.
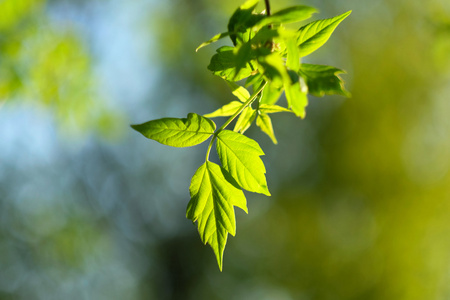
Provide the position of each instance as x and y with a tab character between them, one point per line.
240	156
213	195
174	132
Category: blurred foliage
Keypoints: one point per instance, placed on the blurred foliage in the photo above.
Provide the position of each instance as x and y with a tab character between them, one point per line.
44	62
361	200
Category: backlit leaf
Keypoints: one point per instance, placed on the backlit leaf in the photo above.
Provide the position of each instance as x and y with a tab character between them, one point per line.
223	64
271	93
313	35
213	195
240	92
289	15
323	80
226	110
174	132
264	122
213	39
242	19
270	109
296	95
245	120
240	156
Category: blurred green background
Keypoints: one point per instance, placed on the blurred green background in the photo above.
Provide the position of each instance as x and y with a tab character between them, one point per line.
89	209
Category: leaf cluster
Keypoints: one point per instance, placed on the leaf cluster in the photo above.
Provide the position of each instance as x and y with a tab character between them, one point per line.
266	59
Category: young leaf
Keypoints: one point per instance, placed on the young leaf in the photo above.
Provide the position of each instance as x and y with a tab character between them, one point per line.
296	95
245	120
240	92
239	155
293	55
271	93
242	19
178	132
270	109
223	64
213	196
264	122
213	39
289	15
226	110
323	80
243	57
313	35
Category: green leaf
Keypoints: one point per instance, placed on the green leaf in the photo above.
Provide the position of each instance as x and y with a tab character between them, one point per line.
293	55
226	110
178	132
296	95
242	19
213	39
289	15
240	92
243	57
270	109
313	35
271	93
223	64
323	80
240	156
264	122
213	195
245	120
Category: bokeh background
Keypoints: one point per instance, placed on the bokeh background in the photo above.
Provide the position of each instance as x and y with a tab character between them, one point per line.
89	209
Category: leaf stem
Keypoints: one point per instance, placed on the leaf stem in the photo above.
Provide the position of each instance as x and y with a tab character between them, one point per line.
247	103
267	7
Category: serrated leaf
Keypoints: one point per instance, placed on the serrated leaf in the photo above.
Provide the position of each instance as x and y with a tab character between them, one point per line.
213	39
240	156
289	15
175	132
323	80
226	110
240	92
296	95
313	35
223	64
264	122
213	195
270	109
245	120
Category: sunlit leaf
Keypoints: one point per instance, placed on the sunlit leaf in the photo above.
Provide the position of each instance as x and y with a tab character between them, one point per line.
323	80
213	196
289	15
226	110
174	132
296	95
223	64
240	92
270	109
271	93
245	120
242	19
213	39
264	122
313	35
240	156
293	55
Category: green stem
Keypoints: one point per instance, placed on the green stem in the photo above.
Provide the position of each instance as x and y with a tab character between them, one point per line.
247	103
